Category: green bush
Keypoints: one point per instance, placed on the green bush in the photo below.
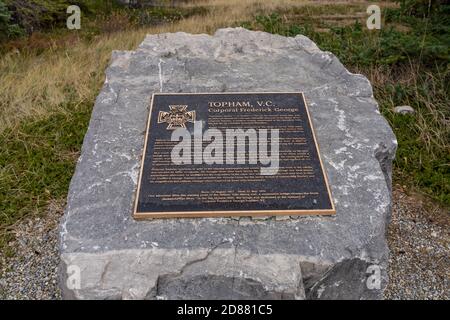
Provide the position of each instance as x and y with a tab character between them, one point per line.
7	28
420	8
35	15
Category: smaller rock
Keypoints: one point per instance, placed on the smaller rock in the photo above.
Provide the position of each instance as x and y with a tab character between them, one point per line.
260	217
404	110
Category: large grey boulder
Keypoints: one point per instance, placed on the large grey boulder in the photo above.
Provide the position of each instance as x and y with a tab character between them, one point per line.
106	254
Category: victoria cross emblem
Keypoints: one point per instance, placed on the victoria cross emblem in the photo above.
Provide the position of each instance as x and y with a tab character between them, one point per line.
176	117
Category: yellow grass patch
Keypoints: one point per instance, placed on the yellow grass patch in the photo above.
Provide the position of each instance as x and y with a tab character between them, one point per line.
33	85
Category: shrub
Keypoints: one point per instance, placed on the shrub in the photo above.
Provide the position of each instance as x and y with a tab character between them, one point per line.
420	8
7	28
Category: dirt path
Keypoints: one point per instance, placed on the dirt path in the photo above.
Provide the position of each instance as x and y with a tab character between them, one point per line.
418	237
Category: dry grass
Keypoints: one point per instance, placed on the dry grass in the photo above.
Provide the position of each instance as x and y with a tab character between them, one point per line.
37	82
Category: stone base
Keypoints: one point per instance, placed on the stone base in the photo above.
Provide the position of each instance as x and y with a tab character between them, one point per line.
106	254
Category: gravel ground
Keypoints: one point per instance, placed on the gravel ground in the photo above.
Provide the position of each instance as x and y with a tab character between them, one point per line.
32	272
419	267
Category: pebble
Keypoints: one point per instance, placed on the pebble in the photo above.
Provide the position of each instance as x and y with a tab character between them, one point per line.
404	110
31	273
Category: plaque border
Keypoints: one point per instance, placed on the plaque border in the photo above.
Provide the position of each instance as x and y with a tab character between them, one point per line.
228	213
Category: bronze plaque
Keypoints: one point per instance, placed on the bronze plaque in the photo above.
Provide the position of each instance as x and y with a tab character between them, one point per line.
231	154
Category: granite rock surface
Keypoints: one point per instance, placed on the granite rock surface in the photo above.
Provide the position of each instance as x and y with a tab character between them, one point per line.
106	254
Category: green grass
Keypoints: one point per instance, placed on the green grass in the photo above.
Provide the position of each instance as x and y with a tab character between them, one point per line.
37	161
406	68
